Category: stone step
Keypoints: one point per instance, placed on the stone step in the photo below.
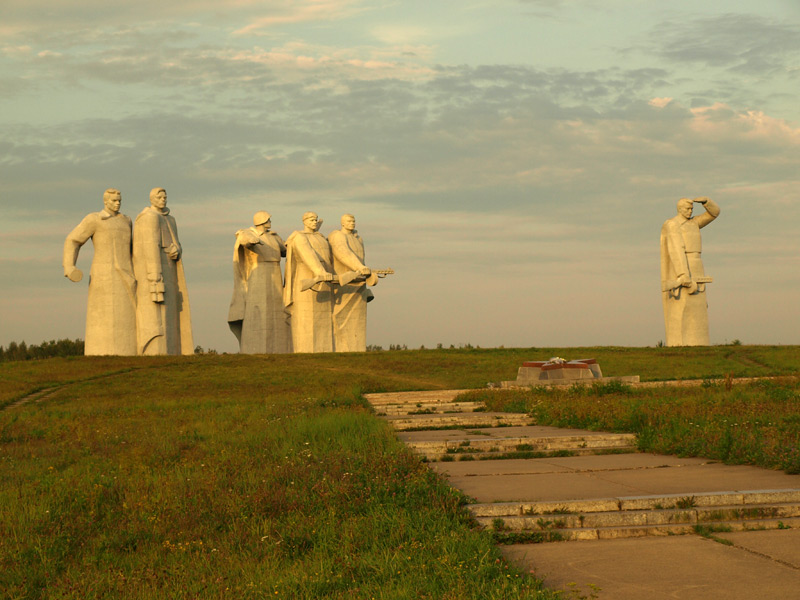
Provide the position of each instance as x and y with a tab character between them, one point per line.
627	518
607	533
527	454
639	516
632	503
577	445
429	408
475	420
412	398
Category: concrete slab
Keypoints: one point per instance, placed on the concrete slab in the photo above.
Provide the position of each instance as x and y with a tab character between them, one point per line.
782	545
614	462
668	568
534	431
684	480
490	468
702	478
566	464
536	487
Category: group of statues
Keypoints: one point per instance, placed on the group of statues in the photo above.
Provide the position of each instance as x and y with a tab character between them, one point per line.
138	303
321	306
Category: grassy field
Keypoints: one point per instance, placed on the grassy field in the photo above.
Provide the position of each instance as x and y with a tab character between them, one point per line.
268	477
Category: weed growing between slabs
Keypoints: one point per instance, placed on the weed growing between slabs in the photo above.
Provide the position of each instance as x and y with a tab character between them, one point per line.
755	423
230	477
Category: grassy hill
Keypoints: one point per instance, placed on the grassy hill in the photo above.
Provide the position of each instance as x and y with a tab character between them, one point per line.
268	477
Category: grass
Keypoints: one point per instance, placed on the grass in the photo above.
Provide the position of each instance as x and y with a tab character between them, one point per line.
269	477
228	476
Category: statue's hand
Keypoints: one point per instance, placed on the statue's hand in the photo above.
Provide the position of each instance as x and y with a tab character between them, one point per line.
73	274
327	276
157	289
701	200
174	252
364	271
684	280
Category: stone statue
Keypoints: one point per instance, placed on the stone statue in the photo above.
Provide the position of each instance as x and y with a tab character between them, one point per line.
308	291
163	320
111	308
257	316
683	281
350	300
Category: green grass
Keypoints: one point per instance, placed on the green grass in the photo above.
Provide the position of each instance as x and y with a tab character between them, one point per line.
269	477
229	476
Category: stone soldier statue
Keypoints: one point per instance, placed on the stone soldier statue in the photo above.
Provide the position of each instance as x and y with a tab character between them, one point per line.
257	316
683	280
308	290
163	319
350	300
111	307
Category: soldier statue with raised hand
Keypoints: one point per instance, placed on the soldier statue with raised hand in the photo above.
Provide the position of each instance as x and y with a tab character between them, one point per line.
163	319
683	280
111	306
257	316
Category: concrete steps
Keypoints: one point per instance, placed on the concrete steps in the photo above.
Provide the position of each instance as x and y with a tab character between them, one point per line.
521	447
639	516
420	403
429	408
471	420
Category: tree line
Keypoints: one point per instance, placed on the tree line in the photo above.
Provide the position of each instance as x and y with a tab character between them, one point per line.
22	351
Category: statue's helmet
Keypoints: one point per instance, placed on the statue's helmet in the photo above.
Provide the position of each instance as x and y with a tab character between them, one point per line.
261	217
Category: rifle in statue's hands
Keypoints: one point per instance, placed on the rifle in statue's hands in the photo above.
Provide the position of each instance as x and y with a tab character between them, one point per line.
343	279
671	284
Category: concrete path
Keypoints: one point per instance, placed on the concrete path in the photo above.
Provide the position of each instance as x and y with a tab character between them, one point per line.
626	510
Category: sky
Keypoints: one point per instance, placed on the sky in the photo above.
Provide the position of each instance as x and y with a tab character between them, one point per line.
512	160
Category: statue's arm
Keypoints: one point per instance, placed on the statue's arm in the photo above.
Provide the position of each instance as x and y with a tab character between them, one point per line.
149	232
245	237
77	238
676	250
175	251
303	250
712	212
344	254
281	243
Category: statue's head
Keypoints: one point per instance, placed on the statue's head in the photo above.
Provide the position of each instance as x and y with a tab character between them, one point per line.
348	222
311	222
685	208
158	197
112	200
262	217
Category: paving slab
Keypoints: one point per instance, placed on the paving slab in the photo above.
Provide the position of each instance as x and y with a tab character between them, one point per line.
533	431
665	568
568	464
782	545
684	479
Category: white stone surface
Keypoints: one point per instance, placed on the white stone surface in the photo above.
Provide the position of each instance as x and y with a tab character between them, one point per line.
683	280
350	300
308	259
257	316
163	318
111	306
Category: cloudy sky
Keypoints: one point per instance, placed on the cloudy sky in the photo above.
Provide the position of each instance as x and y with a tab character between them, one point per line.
512	160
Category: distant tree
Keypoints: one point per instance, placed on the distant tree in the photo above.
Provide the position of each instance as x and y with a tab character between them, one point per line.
49	349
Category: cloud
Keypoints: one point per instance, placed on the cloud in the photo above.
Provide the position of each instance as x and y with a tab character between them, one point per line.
299	11
741	43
